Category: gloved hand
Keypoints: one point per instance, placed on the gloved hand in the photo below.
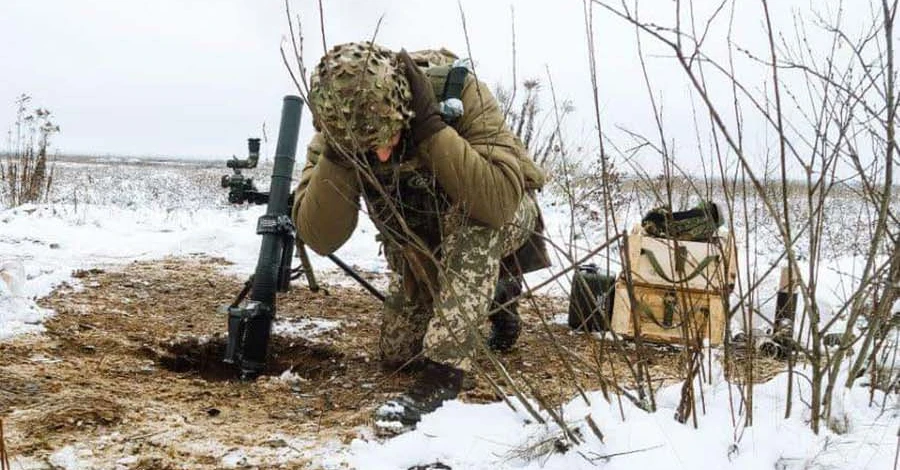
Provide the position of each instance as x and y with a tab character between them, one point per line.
427	120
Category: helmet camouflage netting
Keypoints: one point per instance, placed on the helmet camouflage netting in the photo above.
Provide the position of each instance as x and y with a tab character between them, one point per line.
359	96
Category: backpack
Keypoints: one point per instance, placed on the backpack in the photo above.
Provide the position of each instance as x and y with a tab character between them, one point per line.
428	58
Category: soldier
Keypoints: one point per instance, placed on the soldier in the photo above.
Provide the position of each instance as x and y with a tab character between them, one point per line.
451	196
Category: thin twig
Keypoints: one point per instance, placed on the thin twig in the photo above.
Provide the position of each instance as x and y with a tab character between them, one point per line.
4	457
607	457
322	27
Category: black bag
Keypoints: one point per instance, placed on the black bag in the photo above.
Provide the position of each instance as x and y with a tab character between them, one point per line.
591	299
700	224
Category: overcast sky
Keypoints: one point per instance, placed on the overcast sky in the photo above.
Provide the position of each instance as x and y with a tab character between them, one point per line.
195	78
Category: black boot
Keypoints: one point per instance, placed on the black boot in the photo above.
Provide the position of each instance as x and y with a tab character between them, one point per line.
505	323
435	384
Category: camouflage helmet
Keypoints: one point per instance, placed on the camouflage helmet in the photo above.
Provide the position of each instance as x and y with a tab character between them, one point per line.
359	96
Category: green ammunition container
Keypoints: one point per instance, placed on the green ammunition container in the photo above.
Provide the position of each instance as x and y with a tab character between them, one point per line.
591	299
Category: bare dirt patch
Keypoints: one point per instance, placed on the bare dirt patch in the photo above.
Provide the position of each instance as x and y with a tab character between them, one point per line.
129	372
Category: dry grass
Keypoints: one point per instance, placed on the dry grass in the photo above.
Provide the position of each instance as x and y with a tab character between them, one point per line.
70	411
740	368
123	355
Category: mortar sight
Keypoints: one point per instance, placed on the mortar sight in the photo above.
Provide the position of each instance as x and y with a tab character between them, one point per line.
241	188
253	146
252	156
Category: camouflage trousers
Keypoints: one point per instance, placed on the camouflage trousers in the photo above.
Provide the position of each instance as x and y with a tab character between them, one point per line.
437	302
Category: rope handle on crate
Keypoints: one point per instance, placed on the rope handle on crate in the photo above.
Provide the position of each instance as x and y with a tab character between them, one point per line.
648	314
668	315
654	263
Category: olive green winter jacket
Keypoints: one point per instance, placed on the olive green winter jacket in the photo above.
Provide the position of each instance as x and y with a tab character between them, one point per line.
479	163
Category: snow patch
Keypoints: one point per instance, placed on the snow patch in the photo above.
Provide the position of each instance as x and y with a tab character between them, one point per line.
20	315
305	328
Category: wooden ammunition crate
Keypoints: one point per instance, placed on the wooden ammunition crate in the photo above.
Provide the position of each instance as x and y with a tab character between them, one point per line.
681	264
666	314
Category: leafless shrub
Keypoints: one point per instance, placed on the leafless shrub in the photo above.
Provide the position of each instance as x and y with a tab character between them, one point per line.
26	173
539	129
831	103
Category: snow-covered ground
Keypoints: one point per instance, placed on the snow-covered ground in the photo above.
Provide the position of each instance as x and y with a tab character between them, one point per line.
113	213
491	436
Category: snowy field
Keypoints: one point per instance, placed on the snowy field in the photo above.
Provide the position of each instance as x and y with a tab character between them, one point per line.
112	213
